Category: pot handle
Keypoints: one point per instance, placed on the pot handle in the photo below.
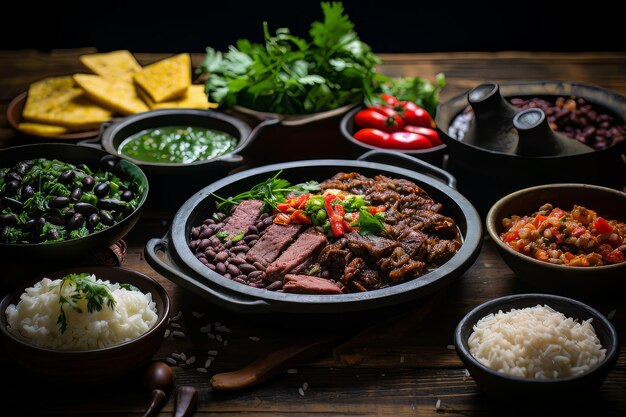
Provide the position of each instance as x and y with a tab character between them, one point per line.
169	270
236	159
442	175
97	141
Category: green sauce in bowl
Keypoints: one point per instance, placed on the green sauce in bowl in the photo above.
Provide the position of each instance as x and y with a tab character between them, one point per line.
177	144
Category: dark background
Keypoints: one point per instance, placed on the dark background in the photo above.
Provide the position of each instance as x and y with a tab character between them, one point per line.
387	26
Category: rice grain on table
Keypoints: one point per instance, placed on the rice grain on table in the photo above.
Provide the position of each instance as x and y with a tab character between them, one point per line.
197	314
536	342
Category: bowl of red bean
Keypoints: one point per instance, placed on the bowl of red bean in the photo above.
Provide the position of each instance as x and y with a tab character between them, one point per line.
563	238
526	133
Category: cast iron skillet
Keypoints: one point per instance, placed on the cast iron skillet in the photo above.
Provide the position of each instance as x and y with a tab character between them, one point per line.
74	248
181	266
112	134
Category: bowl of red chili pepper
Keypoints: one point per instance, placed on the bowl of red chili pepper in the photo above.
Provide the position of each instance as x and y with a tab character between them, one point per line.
391	124
563	238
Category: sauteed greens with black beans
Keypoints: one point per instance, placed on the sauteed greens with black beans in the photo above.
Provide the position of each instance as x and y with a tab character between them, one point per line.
44	200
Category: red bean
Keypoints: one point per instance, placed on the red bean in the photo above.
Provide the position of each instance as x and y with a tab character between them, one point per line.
220	268
233	270
247	268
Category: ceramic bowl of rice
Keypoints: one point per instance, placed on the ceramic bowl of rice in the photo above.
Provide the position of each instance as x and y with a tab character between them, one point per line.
86	324
537	347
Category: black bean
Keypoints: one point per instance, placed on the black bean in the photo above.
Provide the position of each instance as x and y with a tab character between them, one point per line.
76	222
204	261
28	226
242	248
94	219
263	216
55	219
53	234
102	189
89	182
23	167
27	192
204	243
8	219
108	161
128	195
200	255
219	226
216	242
259	266
208	221
13	176
76	194
220	268
13	204
221	257
111	204
106	218
59	202
275	286
251	237
11	187
67	176
38	227
210	253
193	245
85	208
233	270
247	268
236	260
255	274
259	226
68	213
228	244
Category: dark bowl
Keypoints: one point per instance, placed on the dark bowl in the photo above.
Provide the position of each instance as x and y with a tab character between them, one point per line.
90	244
96	365
181	266
526	390
14	117
432	155
549	277
505	173
113	134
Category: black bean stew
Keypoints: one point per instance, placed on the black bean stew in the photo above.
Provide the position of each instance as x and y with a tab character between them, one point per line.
45	200
255	245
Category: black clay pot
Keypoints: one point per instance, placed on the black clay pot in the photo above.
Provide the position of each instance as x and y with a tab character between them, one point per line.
73	249
181	266
486	175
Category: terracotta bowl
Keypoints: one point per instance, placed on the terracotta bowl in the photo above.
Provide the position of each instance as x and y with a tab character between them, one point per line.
505	387
96	365
560	279
14	117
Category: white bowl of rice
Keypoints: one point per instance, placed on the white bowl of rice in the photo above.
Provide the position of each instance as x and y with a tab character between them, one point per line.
87	324
537	347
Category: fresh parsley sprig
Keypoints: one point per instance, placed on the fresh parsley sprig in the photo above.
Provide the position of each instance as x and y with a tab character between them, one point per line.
85	288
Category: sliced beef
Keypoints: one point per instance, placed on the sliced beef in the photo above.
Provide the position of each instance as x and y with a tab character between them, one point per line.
245	215
303	250
305	284
413	243
275	239
376	246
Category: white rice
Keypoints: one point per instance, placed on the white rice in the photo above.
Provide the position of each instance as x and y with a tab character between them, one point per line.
536	342
35	317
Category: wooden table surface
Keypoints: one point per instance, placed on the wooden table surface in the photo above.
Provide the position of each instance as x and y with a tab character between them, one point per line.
407	375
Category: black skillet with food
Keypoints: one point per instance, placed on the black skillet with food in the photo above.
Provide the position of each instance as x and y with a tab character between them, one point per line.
319	237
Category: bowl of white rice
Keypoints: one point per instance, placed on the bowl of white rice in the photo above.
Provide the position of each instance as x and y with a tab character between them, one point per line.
537	347
85	325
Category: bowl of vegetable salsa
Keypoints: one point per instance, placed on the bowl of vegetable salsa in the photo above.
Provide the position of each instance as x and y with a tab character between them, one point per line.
63	202
563	238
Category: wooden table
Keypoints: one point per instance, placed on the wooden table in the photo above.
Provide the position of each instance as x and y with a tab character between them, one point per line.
405	377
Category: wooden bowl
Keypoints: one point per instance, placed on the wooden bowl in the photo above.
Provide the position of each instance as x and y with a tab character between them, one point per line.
95	365
14	117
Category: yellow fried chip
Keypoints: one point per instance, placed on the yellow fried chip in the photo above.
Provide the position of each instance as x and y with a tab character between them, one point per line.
39	129
58	101
194	99
167	79
116	95
118	65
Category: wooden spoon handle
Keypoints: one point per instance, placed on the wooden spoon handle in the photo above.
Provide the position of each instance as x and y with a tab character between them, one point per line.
185	400
270	365
157	400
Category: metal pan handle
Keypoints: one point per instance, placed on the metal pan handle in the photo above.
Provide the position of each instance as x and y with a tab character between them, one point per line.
171	271
97	141
442	175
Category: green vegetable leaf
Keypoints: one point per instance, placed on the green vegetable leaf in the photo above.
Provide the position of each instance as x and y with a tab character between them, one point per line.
368	223
336	25
238	237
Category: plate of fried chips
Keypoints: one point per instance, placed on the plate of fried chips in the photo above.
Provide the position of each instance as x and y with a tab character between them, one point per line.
72	107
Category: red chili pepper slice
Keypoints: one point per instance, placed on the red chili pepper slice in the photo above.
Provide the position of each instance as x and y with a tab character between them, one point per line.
300	217
282	218
510	236
538	220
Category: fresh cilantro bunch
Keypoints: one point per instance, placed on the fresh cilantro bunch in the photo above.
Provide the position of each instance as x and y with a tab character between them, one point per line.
290	75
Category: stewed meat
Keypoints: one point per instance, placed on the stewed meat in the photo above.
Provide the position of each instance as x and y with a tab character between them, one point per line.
376	246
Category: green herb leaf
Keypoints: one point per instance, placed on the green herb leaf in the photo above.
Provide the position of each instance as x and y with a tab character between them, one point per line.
368	223
238	237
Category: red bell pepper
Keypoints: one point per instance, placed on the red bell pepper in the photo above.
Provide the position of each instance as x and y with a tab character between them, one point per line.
602	226
510	236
